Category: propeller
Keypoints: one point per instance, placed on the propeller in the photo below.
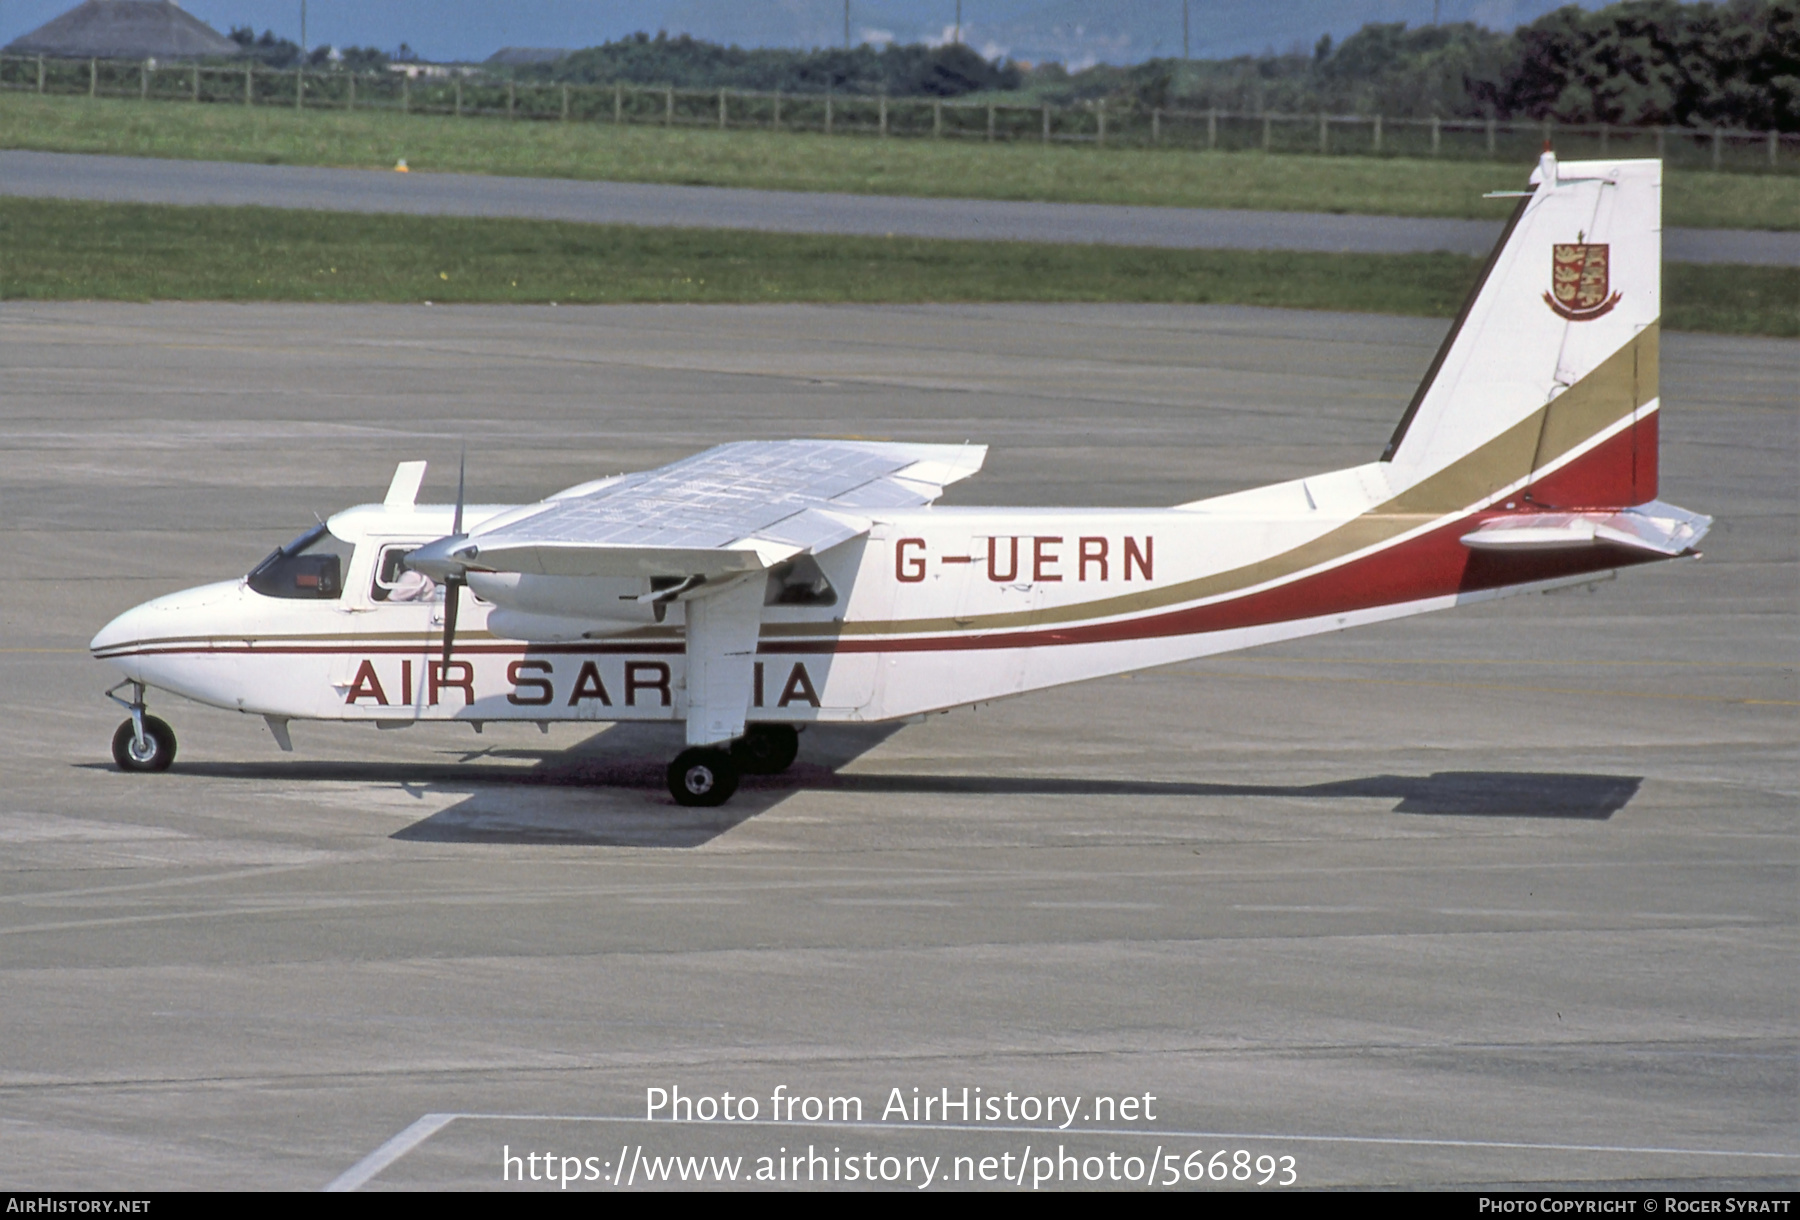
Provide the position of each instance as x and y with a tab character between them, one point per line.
439	560
458	576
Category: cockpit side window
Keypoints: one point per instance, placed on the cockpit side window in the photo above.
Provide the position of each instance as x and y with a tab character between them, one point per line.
394	582
311	567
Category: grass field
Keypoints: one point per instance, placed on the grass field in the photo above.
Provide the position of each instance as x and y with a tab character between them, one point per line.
808	162
59	250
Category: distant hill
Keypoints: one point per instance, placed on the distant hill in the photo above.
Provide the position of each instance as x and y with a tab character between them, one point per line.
124	29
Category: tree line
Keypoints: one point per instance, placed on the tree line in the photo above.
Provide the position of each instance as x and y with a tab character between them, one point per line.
1648	62
1733	64
688	63
273	52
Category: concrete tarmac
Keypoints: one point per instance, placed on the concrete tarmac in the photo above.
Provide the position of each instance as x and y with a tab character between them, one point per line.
1499	896
153	180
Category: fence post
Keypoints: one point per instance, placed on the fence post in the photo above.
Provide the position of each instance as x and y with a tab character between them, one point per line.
618	102
721	109
458	83
1155	125
40	74
1268	133
1212	128
1774	143
1436	134
1377	148
565	103
1101	138
777	121
1718	145
299	88
144	81
249	90
93	78
1490	135
828	115
1046	122
350	99
511	95
1324	135
990	122
196	82
669	106
405	93
937	119
883	111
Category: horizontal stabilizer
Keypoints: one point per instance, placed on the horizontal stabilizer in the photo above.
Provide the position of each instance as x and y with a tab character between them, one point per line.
1658	528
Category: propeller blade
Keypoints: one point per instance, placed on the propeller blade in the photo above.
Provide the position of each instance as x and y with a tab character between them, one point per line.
453	588
462	465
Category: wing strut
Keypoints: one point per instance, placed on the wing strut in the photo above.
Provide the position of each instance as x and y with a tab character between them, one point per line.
723	622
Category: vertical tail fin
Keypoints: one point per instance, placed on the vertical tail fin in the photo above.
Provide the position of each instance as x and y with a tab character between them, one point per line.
1545	390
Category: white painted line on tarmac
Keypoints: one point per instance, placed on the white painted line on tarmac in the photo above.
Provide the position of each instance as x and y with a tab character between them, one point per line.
428	1126
393	1150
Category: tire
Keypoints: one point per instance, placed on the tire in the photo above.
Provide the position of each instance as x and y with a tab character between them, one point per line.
159	740
766	749
702	777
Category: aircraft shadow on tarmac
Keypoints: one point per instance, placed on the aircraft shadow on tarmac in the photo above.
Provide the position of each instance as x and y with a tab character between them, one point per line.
608	791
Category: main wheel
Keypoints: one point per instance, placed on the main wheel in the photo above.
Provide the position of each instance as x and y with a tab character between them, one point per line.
702	776
766	749
157	752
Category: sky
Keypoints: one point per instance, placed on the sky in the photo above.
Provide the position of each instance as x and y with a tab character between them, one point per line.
1074	32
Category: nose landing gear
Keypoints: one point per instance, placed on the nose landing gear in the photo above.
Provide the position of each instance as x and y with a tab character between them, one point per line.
706	776
142	743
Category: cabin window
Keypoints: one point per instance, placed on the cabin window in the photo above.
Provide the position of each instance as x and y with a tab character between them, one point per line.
394	582
799	582
311	567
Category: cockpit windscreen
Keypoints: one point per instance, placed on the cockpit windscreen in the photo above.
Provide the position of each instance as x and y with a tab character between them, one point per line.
310	567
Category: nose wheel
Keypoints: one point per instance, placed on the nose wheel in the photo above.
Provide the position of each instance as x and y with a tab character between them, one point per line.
154	753
142	743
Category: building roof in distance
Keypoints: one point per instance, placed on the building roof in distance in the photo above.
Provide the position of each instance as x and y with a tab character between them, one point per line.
124	29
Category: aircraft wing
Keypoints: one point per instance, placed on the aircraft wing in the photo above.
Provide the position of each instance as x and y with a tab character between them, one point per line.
735	508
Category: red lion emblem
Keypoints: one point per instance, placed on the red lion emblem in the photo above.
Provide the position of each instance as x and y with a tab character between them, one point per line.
1578	282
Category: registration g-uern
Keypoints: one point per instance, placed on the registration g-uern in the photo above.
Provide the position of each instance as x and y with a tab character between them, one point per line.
761	586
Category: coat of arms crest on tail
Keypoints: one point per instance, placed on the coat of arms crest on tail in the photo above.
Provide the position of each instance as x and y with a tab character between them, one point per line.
1579	281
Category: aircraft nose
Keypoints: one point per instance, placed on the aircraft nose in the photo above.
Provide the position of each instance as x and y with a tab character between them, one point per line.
129	628
174	614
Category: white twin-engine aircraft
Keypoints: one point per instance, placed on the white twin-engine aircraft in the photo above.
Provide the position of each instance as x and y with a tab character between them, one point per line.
761	586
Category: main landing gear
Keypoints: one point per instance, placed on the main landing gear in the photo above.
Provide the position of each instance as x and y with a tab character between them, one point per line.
708	775
142	743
